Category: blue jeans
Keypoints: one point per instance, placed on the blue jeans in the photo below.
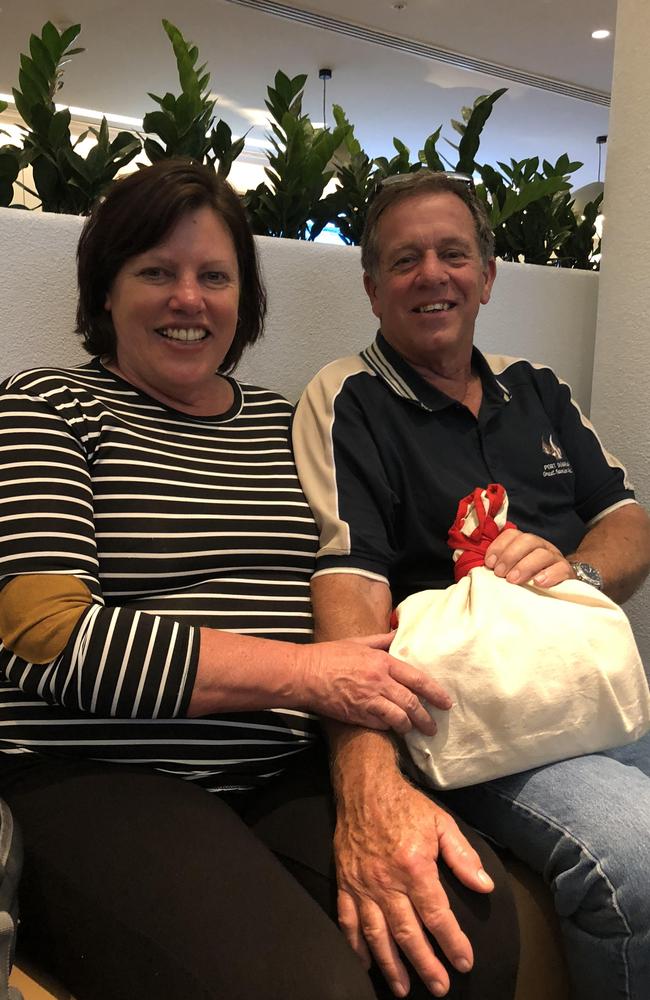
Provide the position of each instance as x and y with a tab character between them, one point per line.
584	825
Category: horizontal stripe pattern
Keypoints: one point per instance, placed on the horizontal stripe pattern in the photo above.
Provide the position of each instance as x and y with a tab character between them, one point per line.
172	522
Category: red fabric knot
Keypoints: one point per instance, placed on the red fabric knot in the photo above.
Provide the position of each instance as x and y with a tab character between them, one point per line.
480	507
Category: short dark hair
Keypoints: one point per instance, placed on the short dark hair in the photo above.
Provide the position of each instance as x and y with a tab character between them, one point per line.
424	182
134	216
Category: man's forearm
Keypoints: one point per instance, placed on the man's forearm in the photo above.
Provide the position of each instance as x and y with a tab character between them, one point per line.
619	547
346	606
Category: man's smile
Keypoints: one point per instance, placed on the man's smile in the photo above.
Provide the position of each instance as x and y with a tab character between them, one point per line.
435	307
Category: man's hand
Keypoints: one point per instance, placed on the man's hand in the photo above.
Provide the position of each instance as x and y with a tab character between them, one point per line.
357	681
520	557
387	848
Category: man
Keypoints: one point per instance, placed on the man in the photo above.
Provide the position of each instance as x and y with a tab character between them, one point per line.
387	443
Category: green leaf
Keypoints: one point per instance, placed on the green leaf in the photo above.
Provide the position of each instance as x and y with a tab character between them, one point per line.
125	142
42	57
469	143
428	154
82	166
67	38
52	41
38	78
31	91
102	135
160	124
22	106
154	150
47	183
283	89
59	130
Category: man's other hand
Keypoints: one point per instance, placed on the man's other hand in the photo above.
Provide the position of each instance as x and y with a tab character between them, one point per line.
519	557
387	850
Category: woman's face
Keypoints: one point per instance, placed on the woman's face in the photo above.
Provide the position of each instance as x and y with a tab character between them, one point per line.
174	309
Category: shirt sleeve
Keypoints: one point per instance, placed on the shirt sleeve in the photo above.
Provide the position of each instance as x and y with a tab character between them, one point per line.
341	472
601	480
118	661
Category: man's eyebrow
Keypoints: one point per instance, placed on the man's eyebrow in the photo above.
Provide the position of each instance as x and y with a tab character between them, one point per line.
456	241
402	248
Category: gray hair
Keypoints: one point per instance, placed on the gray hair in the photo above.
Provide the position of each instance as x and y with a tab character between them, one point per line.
424	182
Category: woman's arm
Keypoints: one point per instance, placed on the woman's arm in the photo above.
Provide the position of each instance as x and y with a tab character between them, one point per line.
128	661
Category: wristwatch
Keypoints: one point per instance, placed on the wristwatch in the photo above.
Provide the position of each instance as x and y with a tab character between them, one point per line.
587	573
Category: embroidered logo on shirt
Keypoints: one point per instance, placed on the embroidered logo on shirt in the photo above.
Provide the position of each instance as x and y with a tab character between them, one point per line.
559	465
549	447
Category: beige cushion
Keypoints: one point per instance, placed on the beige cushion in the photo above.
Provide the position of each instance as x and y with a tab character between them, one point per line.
36	985
542	967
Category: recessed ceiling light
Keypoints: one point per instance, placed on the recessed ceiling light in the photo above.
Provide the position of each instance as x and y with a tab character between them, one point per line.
601	33
398	5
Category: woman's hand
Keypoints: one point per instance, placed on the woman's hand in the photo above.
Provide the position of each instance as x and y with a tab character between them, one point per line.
356	681
520	557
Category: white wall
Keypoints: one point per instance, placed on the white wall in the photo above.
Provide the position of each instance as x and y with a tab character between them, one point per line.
318	309
621	394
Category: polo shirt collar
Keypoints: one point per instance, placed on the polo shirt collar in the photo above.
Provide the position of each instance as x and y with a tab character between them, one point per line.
404	381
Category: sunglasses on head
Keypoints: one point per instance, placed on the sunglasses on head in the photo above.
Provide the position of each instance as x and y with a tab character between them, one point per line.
453	175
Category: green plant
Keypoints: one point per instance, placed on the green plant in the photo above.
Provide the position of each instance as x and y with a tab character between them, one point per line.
470	129
529	208
582	244
358	176
299	164
64	180
10	166
185	124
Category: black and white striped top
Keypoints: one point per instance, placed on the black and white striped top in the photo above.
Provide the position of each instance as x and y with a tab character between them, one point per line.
172	522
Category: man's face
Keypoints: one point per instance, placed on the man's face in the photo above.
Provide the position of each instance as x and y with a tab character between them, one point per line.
430	280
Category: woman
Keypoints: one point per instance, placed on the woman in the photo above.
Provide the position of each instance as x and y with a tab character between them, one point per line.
156	625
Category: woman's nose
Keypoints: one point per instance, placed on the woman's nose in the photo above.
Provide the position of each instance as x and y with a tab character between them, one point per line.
186	295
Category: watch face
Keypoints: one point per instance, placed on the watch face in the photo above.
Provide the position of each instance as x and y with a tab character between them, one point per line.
587	574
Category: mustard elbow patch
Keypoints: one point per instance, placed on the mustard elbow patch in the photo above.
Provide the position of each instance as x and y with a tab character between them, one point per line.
38	614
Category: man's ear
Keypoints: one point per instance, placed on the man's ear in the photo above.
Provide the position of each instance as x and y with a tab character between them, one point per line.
489	274
370	286
107	302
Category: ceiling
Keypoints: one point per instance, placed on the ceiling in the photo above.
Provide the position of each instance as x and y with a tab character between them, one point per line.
385	90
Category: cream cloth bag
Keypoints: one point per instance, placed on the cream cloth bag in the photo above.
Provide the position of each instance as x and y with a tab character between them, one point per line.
535	675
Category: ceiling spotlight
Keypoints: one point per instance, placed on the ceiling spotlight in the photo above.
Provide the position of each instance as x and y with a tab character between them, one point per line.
601	33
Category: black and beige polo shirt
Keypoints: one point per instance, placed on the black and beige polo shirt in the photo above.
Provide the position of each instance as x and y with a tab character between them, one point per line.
384	458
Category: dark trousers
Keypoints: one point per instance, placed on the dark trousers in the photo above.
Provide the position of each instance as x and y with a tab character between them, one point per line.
139	886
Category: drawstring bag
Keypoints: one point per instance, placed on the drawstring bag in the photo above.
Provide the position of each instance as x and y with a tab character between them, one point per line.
535	675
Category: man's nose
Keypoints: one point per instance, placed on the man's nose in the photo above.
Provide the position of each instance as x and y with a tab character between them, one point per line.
432	268
186	294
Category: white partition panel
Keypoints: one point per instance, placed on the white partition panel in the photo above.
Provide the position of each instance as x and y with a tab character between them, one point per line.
317	307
